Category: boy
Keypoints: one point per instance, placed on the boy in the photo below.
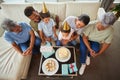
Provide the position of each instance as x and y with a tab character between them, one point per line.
46	27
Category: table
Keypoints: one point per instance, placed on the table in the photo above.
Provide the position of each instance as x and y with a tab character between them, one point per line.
59	72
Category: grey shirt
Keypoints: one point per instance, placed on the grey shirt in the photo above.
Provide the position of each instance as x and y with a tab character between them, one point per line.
71	21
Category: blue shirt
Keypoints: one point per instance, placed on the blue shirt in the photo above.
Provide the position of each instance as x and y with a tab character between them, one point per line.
20	37
47	28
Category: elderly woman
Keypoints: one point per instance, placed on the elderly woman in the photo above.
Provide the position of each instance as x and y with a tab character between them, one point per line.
21	36
96	39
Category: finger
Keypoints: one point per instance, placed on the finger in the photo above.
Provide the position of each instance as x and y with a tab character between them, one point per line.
92	54
24	54
30	52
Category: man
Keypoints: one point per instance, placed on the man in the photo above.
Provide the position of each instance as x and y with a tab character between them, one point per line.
34	16
94	36
21	37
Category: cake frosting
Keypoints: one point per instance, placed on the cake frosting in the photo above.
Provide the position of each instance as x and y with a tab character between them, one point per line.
63	53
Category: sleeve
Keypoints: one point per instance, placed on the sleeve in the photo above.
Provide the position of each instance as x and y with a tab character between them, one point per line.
8	38
40	26
109	38
53	22
87	30
67	19
33	25
60	36
80	31
26	26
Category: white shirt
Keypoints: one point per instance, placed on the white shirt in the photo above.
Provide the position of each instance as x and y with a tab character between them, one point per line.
60	36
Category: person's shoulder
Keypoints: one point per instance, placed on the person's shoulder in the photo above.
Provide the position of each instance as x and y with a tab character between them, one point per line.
41	23
90	26
7	33
111	29
33	22
71	17
51	20
22	23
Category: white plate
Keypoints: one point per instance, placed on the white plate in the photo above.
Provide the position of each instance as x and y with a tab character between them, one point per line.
63	60
50	72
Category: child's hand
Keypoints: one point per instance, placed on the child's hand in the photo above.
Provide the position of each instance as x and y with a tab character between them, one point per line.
48	39
43	43
64	42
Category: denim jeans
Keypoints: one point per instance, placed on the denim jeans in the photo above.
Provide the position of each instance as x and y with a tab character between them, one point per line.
71	43
84	51
36	47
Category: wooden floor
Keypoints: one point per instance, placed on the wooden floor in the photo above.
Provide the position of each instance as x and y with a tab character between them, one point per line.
103	67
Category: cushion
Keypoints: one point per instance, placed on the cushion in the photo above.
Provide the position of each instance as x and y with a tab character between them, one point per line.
78	8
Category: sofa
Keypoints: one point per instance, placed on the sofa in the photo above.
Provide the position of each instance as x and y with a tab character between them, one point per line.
14	66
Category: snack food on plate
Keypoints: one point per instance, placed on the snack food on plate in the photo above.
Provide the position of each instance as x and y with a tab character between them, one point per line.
50	65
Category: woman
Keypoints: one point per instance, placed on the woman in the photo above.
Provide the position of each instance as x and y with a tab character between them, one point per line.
21	37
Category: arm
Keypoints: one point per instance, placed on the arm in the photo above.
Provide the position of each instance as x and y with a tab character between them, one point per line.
54	31
42	36
32	40
85	39
64	42
103	48
17	48
74	36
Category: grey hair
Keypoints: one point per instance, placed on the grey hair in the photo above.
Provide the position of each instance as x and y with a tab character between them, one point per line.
108	19
8	24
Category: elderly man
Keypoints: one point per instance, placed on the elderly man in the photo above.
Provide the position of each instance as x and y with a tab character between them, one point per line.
21	36
96	39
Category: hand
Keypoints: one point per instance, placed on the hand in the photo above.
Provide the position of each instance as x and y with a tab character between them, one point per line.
64	42
96	54
43	43
28	51
92	53
48	39
71	39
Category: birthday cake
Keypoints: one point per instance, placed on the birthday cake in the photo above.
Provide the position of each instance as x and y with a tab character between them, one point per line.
63	53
